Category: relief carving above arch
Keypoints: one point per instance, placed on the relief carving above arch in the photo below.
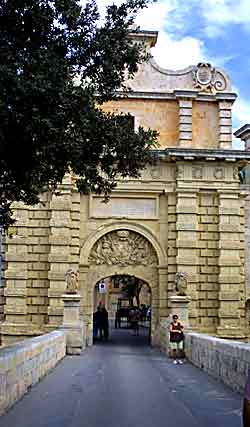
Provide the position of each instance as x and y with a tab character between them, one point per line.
123	248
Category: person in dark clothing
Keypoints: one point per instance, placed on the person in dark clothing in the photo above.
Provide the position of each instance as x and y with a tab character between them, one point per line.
104	324
176	339
96	323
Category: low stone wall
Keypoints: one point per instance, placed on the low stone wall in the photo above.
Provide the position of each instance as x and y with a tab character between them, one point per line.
24	364
227	361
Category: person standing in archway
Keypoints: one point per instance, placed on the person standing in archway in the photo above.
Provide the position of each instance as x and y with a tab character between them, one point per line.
176	340
134	316
104	326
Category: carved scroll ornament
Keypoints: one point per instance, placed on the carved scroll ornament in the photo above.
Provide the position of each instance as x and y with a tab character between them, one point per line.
208	79
123	247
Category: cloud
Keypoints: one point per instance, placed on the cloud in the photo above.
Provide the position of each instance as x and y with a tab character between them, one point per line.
224	12
177	46
241	116
241	111
219	14
170	52
178	54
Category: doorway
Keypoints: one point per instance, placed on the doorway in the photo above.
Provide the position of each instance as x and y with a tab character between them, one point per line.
127	301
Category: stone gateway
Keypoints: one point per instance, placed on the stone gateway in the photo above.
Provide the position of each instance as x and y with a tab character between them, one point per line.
181	224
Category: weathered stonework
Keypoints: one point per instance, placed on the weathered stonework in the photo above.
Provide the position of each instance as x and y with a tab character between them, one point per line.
26	363
184	214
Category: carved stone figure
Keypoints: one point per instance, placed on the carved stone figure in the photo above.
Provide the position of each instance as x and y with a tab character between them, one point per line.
123	247
179	172
236	173
71	278
197	172
181	283
219	173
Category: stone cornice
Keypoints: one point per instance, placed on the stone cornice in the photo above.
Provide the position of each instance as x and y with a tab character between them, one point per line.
175	154
243	133
177	94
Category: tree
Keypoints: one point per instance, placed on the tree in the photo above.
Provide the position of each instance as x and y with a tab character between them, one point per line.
131	288
57	67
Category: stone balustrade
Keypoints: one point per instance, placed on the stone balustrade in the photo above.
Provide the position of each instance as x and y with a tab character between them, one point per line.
24	364
226	360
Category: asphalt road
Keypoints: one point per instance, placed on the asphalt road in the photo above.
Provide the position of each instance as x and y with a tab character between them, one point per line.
125	383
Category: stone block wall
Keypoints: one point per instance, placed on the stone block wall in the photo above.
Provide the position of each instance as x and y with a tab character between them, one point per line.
227	361
208	293
246	188
24	364
2	281
2	301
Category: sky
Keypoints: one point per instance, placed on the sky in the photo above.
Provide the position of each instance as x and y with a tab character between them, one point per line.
193	31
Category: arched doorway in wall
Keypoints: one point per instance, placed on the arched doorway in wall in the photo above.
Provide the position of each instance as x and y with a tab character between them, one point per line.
123	249
122	309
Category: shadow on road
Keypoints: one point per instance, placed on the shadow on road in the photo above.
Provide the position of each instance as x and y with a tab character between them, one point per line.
125	337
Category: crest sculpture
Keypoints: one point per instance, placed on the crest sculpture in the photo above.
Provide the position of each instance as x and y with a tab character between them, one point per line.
123	247
208	79
71	278
181	283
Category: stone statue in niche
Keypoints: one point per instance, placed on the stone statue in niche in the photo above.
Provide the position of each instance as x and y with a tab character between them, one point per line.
197	172
179	172
123	247
219	173
181	283
236	173
71	278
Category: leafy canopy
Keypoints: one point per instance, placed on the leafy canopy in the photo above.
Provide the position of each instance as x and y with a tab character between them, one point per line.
131	287
49	125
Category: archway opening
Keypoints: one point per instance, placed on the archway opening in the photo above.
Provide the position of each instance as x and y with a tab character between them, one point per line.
122	310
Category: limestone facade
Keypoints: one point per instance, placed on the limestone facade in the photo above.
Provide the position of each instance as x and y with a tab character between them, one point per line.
184	214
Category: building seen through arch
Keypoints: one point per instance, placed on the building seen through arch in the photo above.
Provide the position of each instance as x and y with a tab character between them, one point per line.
185	214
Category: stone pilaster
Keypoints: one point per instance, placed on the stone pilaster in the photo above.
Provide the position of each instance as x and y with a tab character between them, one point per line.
17	259
225	124
185	122
208	244
230	268
2	271
188	259
37	286
171	245
163	292
60	249
87	293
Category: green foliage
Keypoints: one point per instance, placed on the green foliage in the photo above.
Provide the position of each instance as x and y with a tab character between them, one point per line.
131	288
49	125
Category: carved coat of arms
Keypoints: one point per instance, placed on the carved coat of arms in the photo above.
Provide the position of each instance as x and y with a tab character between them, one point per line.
208	79
123	247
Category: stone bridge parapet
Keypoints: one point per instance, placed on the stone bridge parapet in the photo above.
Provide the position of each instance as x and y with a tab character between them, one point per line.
228	361
24	364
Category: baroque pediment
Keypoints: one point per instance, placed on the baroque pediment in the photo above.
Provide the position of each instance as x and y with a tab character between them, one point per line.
202	78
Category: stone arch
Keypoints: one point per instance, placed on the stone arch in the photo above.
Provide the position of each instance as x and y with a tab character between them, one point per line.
153	271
